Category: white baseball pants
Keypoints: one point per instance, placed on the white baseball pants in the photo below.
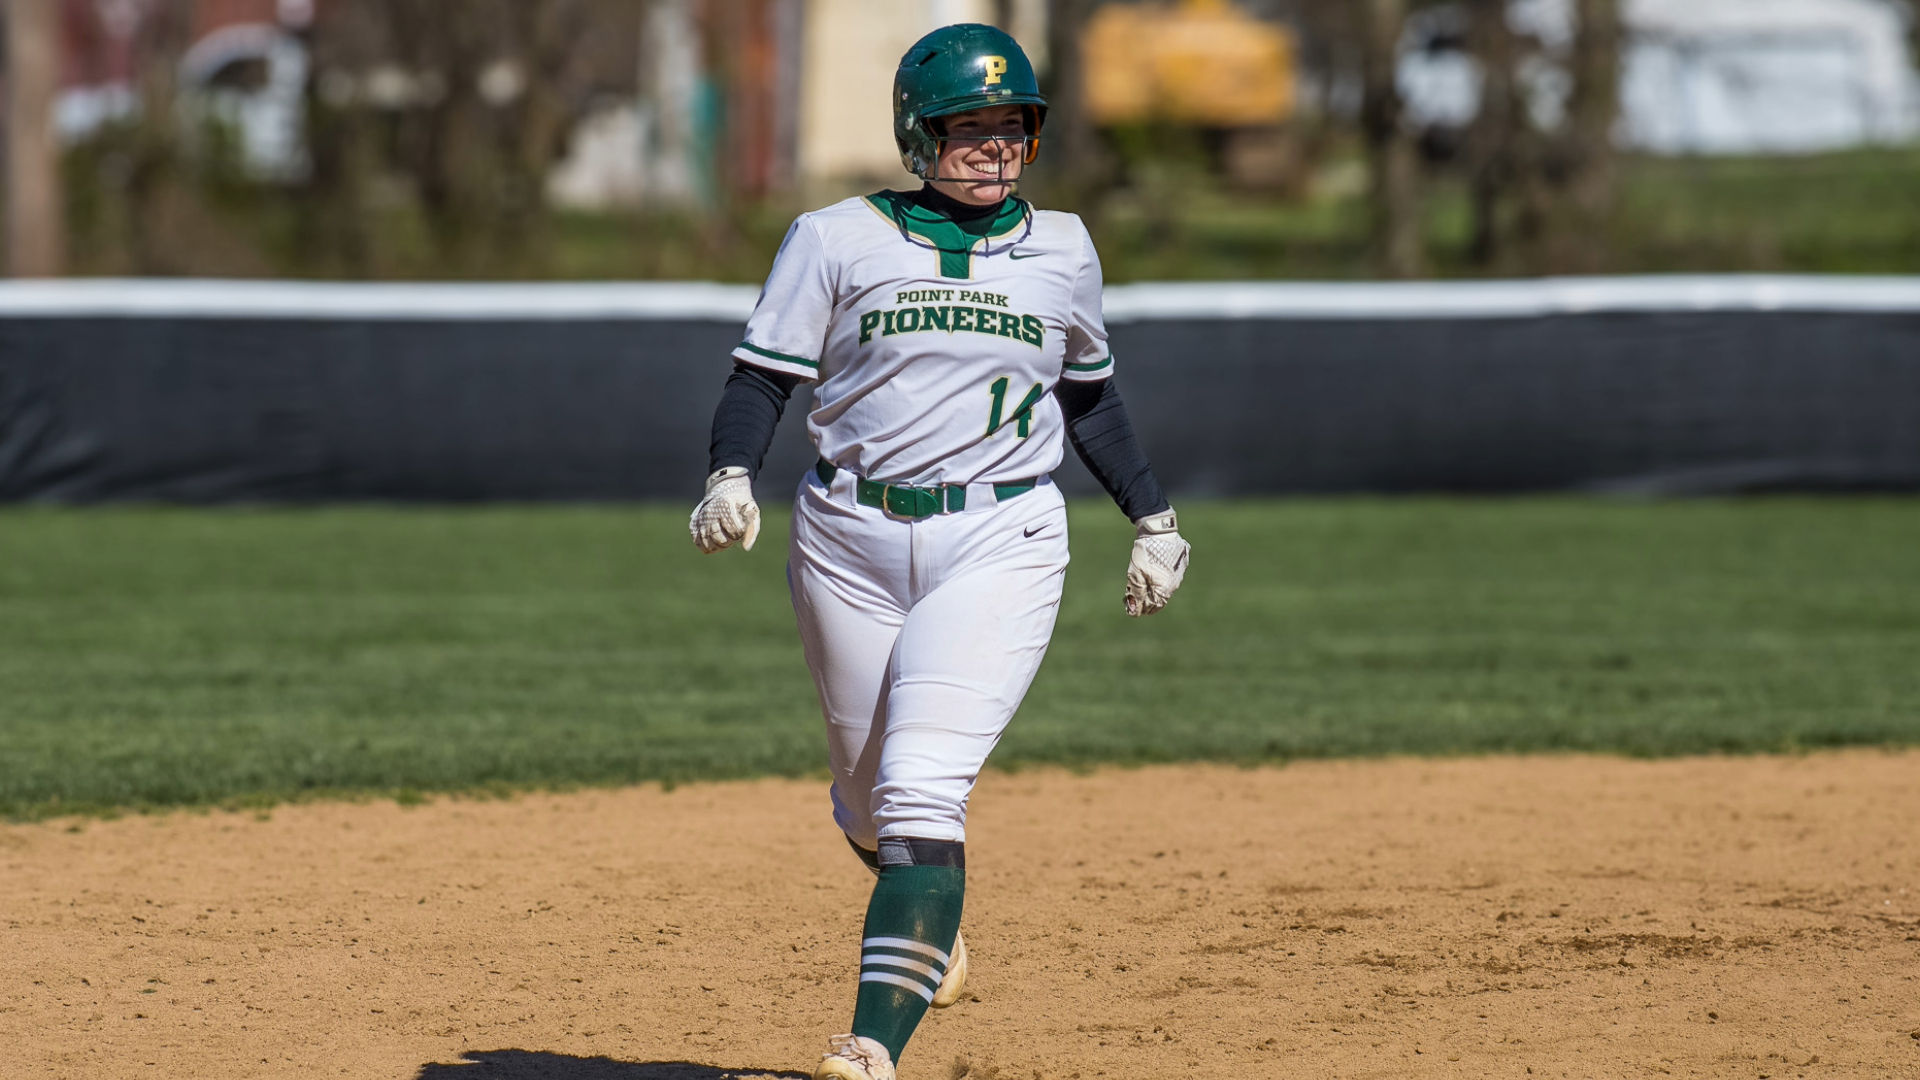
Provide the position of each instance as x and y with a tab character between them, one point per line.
922	636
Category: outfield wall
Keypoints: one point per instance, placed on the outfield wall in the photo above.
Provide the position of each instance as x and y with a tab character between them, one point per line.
249	391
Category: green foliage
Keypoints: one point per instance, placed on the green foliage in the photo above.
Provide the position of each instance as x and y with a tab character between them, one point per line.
1853	213
1833	213
164	657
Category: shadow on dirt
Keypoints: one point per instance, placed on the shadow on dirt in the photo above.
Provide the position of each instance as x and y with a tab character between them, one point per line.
540	1065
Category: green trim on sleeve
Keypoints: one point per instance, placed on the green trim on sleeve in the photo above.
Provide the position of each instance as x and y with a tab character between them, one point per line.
782	357
1082	369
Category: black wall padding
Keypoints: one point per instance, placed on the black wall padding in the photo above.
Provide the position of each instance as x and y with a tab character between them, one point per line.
219	410
196	409
1656	403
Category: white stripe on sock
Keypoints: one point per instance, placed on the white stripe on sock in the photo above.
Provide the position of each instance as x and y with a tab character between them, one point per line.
897	980
868	960
908	944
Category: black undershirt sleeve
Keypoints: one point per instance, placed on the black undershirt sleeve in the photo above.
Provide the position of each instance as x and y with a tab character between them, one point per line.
750	407
1102	435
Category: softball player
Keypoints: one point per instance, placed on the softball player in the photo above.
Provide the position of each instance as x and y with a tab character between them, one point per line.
954	336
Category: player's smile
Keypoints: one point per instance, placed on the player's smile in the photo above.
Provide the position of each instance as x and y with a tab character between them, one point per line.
985	143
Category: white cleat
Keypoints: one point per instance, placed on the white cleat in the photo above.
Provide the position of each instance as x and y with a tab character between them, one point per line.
854	1057
955	979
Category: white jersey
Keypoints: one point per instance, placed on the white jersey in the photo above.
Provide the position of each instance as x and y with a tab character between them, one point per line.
936	351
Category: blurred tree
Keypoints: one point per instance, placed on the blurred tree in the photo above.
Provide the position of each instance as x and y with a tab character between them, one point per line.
1495	140
1911	10
745	59
670	83
1329	81
1392	153
159	186
456	109
1543	180
153	163
36	241
1569	191
1077	164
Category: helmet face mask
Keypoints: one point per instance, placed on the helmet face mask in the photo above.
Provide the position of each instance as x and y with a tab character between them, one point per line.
989	145
958	69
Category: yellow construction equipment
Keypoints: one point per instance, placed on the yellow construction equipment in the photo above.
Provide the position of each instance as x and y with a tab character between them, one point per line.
1204	62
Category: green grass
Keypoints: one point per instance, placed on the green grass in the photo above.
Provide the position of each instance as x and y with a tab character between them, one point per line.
162	657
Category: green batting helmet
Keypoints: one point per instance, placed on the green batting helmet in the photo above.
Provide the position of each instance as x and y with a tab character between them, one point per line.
952	70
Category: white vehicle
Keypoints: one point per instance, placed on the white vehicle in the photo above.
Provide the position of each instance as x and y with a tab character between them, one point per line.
1701	77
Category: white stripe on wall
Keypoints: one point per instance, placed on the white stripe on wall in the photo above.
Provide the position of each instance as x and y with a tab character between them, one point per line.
711	302
1507	299
205	299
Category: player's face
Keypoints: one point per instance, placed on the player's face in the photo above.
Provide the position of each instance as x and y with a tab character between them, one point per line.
984	143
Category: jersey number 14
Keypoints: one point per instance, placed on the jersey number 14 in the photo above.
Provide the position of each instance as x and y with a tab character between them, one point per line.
1022	413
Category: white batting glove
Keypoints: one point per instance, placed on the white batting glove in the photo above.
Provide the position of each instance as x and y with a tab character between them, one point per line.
1158	565
728	515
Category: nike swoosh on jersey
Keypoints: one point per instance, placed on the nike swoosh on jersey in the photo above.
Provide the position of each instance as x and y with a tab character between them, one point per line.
1030	533
1017	255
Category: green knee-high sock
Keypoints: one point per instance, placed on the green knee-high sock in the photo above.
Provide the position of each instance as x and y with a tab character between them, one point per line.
911	923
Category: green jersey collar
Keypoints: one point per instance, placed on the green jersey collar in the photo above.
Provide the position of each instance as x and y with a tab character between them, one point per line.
955	242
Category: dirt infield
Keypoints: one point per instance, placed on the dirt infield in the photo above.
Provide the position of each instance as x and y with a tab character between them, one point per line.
1507	917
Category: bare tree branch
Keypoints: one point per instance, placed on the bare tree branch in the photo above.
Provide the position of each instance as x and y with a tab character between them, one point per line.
1391	152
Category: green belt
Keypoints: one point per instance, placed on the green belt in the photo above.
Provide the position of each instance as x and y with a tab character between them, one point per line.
903	500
